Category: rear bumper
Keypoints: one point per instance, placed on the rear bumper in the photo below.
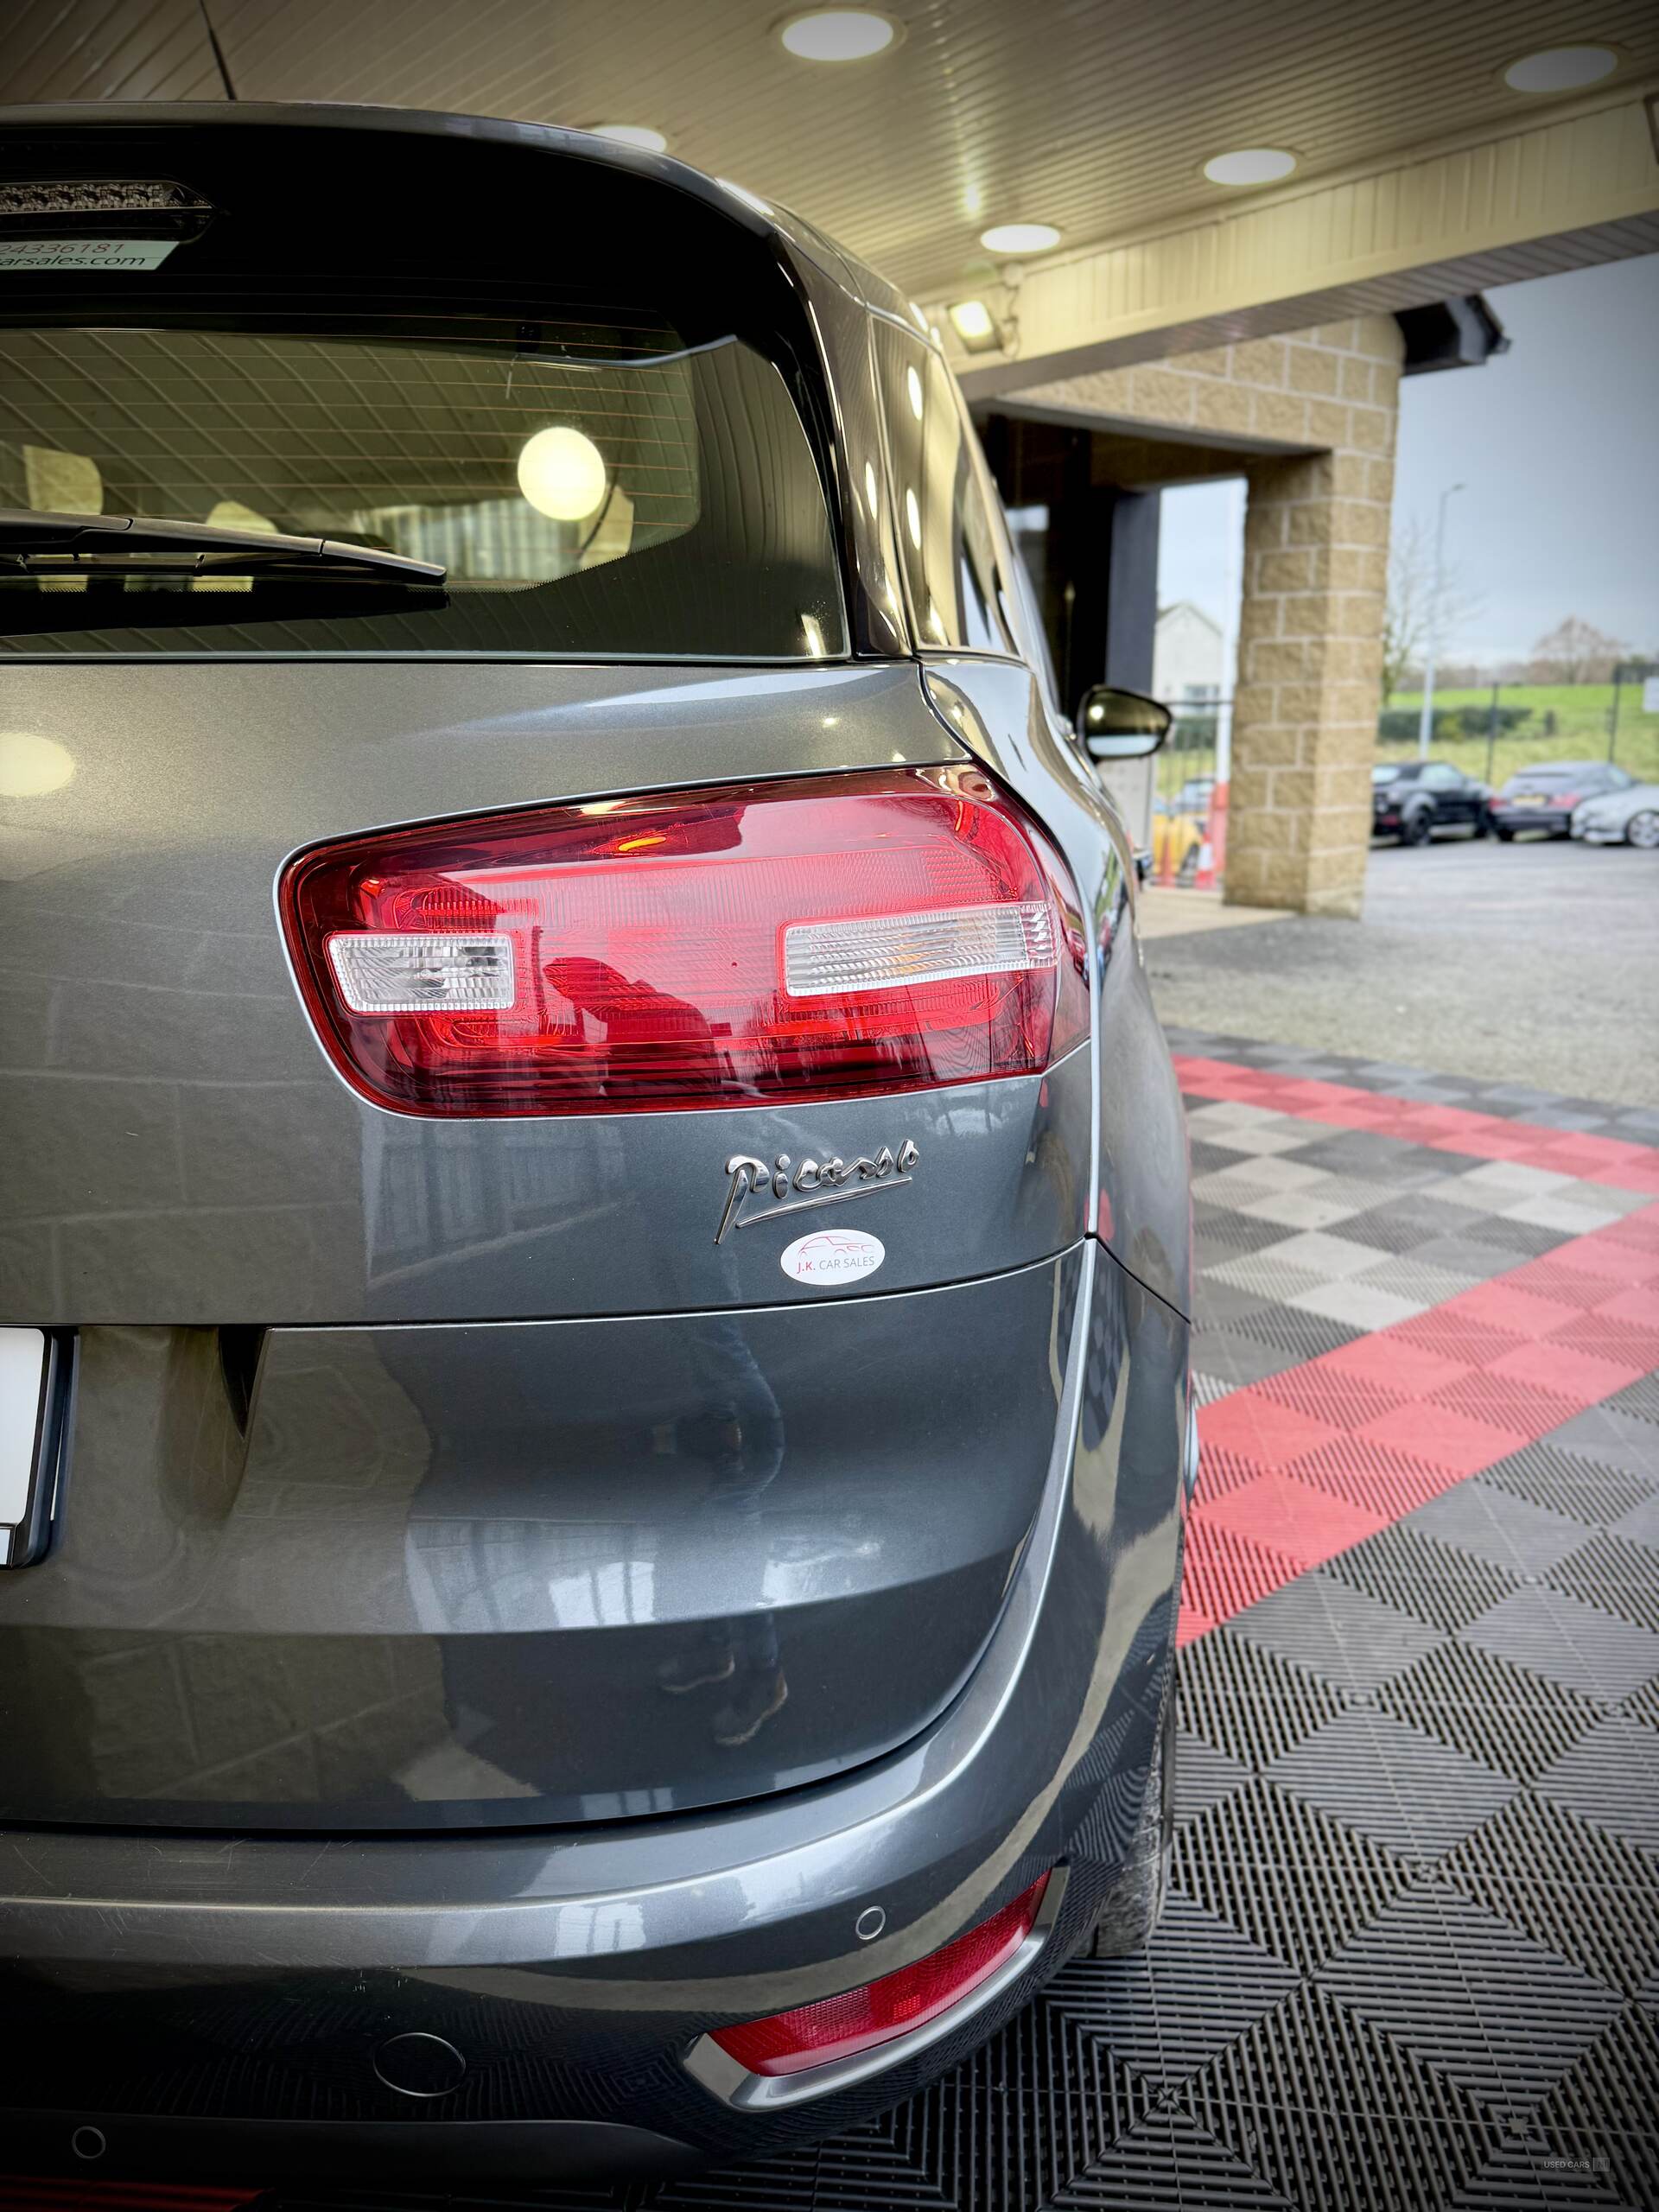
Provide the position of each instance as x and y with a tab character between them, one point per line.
1556	822
183	1986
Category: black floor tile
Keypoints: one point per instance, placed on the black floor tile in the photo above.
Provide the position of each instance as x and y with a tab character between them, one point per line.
1393	1782
1495	1525
1348	1636
1511	1720
1570	1642
1477	2000
1296	1879
1610	1777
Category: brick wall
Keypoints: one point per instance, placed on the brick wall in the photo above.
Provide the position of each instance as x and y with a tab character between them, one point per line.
1315	561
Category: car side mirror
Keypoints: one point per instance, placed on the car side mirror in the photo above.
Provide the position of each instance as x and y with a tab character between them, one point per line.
1117	725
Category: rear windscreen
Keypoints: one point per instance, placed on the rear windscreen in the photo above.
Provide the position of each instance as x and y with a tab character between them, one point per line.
603	493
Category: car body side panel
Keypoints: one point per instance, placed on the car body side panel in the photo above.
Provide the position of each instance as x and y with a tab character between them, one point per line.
1142	1208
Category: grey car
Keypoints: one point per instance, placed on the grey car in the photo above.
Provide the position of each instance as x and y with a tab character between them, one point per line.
593	1390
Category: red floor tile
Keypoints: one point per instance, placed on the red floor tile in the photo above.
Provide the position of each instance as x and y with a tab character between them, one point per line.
1443	1437
1259	1430
1305	1524
1507	1303
1579	1154
1455	1335
1223	1571
1191	1623
1389	1358
1505	1399
1640	1306
1380	1477
1593	1255
1603	1337
1567	1286
1346	1401
1497	1142
1582	1375
1220	1471
1637	1232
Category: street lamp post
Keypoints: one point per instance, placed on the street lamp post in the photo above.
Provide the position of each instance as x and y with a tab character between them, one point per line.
1426	722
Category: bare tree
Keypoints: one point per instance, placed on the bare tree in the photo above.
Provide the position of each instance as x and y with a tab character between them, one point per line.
1575	651
1408	605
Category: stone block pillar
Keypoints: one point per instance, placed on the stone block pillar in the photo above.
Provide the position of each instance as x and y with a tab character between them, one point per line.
1316	548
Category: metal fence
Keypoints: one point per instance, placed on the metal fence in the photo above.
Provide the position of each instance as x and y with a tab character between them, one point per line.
1493	730
1489	733
1187	757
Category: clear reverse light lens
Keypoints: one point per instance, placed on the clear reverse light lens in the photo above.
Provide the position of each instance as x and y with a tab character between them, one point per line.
387	973
882	951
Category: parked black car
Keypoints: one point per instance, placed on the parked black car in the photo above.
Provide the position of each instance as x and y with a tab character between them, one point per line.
1544	798
1411	799
519	1651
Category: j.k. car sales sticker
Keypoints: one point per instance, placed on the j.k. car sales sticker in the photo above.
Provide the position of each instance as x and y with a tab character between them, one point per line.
832	1257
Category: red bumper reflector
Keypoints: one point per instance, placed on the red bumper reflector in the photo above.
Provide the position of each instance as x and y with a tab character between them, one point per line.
836	2027
815	938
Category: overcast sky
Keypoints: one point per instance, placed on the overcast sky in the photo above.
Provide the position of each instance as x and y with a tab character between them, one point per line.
1557	441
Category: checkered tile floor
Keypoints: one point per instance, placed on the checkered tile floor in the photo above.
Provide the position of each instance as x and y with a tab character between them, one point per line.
1411	1959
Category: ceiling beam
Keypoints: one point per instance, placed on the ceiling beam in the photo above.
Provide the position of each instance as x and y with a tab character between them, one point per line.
1553	192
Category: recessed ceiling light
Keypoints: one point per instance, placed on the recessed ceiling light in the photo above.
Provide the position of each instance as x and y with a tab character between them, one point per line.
974	324
1560	69
1250	165
1020	237
838	33
633	134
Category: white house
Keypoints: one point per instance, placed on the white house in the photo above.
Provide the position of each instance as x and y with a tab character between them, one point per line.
1187	656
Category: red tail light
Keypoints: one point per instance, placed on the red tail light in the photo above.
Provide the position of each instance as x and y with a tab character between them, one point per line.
836	2027
818	938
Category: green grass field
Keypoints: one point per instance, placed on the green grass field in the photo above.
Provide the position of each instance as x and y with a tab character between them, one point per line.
1581	710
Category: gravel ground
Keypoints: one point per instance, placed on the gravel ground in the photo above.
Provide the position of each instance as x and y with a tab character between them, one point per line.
1536	960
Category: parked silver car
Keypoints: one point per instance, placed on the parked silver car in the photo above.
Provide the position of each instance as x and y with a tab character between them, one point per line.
594	1374
1629	817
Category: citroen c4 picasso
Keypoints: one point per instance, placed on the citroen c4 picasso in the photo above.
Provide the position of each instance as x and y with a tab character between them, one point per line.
594	1418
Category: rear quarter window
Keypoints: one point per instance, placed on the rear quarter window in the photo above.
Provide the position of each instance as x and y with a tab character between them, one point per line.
953	553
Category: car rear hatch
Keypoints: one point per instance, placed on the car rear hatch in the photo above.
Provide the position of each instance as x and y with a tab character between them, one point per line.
471	1422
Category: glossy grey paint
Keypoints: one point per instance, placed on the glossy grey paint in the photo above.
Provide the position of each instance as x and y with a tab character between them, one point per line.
575	1966
611	1943
435	1580
191	1157
1142	1207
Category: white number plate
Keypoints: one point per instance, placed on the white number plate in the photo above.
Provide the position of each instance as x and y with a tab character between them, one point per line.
23	1373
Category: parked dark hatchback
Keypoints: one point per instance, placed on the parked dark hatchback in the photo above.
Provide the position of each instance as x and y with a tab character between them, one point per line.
1411	799
1544	798
595	1365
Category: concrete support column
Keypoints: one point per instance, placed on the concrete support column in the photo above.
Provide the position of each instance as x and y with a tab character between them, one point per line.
1316	539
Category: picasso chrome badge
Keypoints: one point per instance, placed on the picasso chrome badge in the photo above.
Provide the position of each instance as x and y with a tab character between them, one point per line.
817	1182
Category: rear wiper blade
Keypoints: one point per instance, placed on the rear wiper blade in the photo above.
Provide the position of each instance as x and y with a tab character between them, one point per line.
151	545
